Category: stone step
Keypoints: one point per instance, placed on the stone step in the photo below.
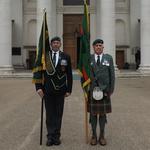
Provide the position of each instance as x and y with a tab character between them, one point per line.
21	73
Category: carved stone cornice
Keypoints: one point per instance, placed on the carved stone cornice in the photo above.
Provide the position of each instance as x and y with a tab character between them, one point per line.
73	10
30	11
122	10
122	6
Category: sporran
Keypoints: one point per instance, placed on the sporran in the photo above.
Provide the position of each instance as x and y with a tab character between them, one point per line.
97	94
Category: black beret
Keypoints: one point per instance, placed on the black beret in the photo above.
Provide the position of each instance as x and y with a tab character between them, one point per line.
56	38
98	41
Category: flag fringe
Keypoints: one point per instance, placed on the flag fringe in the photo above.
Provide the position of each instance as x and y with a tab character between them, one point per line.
87	82
36	69
37	81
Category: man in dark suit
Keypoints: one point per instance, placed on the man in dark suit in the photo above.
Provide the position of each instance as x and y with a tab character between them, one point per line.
137	58
102	80
56	87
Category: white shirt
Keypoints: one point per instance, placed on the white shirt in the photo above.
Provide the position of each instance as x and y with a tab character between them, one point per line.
96	57
57	56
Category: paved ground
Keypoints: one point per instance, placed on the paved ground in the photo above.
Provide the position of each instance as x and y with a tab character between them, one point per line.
128	126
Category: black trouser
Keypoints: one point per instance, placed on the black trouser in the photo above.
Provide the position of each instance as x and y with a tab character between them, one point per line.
54	105
102	122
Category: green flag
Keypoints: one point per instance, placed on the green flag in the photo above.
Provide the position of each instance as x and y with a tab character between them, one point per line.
43	57
84	57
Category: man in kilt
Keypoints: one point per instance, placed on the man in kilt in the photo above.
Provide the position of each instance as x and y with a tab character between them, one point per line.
103	77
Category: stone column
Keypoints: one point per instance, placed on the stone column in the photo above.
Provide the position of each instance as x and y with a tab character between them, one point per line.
59	17
93	19
145	36
50	6
5	37
106	25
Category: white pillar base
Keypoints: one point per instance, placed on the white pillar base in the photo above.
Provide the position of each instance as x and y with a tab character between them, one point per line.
5	70
144	70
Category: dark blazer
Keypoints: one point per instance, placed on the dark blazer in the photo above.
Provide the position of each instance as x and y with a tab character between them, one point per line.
61	81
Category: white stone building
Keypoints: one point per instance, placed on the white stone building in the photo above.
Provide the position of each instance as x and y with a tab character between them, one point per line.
124	25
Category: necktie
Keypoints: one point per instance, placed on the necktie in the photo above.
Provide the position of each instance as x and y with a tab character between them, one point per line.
54	59
98	60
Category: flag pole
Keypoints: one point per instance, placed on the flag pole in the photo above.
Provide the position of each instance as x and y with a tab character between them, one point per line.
83	70
41	130
86	112
43	56
42	100
86	123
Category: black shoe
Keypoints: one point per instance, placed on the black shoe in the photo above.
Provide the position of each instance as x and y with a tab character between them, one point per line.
49	142
57	142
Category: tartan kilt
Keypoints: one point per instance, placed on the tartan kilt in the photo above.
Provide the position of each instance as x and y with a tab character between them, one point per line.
99	107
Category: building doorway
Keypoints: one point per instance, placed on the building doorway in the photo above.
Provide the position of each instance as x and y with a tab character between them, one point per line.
30	62
71	36
120	59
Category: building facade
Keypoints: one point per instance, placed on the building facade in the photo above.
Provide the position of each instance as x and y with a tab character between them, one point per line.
124	25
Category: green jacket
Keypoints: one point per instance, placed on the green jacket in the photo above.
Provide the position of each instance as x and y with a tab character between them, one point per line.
104	76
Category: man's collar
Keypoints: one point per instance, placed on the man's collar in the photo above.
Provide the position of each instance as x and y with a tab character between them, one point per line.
55	51
98	55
